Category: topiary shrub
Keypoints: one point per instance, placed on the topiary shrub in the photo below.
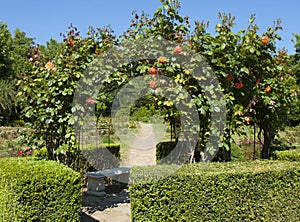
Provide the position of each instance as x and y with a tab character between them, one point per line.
233	191
33	190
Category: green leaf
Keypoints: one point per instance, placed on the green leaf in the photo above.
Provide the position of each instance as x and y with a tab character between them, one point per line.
245	70
223	46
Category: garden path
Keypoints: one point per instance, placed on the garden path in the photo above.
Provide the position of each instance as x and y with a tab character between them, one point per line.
142	150
116	207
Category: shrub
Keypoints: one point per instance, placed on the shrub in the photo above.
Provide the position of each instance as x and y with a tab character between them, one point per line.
38	191
166	152
107	139
105	157
90	158
234	191
41	154
236	153
163	149
112	148
290	155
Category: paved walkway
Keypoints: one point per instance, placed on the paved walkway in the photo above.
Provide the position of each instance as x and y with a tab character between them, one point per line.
115	207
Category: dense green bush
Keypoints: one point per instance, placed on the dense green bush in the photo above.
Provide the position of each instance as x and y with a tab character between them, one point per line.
90	158
38	191
113	148
105	157
236	152
241	191
163	149
172	152
290	155
41	154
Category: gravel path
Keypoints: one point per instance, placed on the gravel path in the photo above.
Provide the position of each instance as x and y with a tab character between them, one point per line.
115	206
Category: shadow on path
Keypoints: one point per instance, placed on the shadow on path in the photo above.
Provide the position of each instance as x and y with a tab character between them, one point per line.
94	208
86	218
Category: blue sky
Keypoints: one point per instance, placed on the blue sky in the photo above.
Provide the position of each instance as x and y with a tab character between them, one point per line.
47	19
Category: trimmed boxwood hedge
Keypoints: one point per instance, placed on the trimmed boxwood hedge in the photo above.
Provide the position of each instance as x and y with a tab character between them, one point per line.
105	157
239	191
290	155
33	190
163	149
180	155
90	158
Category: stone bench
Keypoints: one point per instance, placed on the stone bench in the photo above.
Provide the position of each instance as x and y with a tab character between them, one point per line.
95	180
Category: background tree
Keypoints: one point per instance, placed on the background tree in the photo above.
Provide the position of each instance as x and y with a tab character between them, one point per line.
295	58
51	50
13	66
294	68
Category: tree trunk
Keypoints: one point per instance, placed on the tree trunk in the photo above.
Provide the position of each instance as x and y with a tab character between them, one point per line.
268	138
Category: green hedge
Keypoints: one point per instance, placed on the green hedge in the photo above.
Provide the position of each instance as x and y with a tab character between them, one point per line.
33	190
179	155
91	158
105	157
114	149
290	155
245	191
163	149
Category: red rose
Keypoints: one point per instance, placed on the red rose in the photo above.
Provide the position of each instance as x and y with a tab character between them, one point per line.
230	77
153	71
238	85
71	42
20	153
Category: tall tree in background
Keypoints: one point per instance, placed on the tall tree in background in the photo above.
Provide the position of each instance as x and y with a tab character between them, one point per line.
296	57
294	65
13	66
5	49
51	50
